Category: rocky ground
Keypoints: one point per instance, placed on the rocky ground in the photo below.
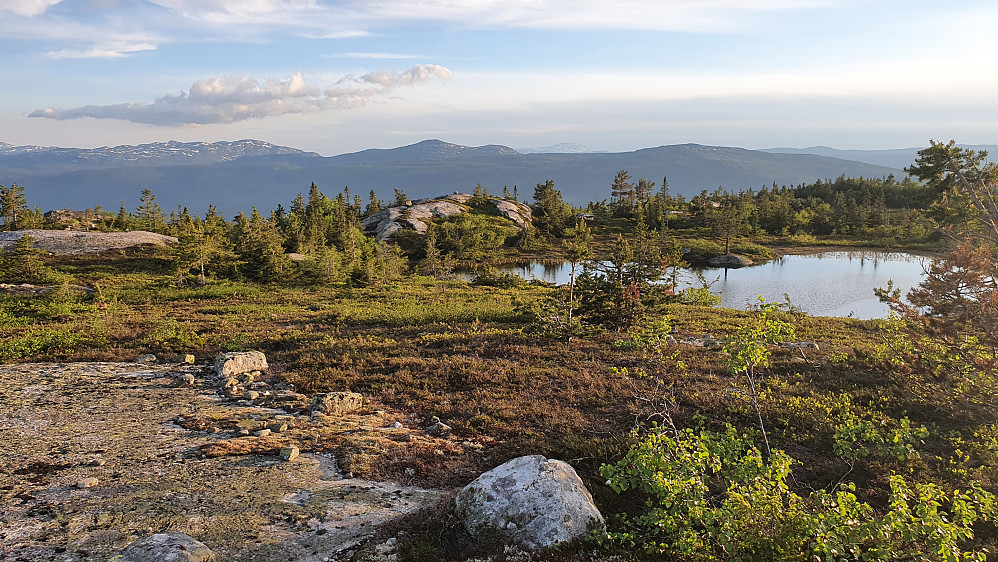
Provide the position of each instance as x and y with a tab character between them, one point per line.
76	242
96	455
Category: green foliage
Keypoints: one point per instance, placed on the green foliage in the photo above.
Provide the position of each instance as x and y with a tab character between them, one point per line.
858	438
175	336
713	496
23	264
492	277
549	209
38	341
473	236
13	206
652	334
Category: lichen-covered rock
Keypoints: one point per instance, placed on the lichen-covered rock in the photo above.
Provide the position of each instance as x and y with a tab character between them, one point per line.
387	222
166	546
239	362
514	211
532	501
337	403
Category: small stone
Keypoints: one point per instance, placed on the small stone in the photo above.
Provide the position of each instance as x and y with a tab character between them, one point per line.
396	425
187	379
247	377
243	432
289	453
87	482
278	427
251	395
145	358
98	462
439	429
186	358
229	382
263	433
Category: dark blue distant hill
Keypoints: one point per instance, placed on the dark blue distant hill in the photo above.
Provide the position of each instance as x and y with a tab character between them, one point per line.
235	176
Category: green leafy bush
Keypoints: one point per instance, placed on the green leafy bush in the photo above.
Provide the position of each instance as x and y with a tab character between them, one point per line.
713	496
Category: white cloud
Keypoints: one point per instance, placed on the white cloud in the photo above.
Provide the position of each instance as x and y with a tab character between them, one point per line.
108	49
28	8
228	99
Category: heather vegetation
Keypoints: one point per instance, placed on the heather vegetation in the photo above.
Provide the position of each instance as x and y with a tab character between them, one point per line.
876	442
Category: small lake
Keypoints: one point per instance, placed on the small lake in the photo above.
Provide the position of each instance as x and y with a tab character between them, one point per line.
838	283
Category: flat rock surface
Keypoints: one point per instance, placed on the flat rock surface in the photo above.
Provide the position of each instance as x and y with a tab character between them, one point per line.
116	422
74	242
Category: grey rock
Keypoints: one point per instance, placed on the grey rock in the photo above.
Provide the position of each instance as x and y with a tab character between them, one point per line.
387	222
439	429
337	403
185	358
729	261
168	546
145	358
514	211
263	433
251	395
532	501
87	482
187	379
289	453
239	362
277	427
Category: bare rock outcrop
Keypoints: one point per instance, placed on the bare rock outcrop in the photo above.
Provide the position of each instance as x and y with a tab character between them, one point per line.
533	501
385	223
73	242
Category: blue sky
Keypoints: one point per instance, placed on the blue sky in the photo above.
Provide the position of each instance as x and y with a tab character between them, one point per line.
340	76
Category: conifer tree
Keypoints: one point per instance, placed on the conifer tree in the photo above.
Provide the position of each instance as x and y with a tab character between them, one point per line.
13	205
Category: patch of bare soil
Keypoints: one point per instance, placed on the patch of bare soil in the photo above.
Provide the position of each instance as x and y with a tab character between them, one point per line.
95	455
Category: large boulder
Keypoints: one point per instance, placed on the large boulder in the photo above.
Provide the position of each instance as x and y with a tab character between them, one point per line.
337	403
239	362
533	501
166	546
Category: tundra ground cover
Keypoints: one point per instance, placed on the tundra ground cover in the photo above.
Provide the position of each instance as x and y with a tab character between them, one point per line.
477	358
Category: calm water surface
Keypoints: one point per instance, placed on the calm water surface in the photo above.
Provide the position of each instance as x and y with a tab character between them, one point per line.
837	283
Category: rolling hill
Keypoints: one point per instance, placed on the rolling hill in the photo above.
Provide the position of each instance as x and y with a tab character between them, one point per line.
235	176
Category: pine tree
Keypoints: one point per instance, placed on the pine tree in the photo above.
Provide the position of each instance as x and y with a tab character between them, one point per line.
373	205
548	209
622	193
12	205
260	247
578	248
149	211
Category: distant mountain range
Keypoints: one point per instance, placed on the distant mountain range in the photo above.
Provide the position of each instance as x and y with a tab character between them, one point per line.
237	175
892	158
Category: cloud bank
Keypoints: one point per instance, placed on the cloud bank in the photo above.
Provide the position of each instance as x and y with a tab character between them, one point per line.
228	99
27	8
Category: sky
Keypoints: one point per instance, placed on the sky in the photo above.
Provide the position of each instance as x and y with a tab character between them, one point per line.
340	76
